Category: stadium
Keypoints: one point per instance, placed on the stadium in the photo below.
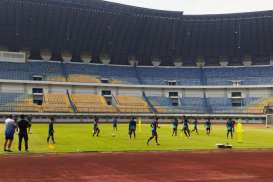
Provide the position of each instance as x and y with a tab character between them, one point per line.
70	61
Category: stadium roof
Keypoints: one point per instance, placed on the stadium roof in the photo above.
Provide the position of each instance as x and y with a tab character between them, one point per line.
122	31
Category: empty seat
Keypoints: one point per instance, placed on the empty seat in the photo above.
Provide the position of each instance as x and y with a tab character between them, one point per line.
56	103
132	104
82	78
91	103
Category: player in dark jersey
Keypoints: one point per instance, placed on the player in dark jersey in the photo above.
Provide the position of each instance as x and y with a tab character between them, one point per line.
208	126
115	124
229	126
185	128
132	127
154	126
195	124
233	126
23	126
175	126
96	130
51	130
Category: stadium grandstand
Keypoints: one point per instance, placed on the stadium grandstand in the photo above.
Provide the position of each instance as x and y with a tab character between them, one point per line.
94	57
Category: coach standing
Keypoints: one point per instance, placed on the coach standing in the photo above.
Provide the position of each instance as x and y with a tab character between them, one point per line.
23	125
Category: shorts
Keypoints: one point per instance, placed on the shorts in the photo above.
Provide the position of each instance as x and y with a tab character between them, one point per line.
50	132
154	133
95	127
9	135
132	128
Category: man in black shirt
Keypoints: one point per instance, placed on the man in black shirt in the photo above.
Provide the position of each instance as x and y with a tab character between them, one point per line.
23	125
51	130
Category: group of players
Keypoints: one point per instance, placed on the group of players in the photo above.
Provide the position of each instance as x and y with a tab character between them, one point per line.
154	125
22	126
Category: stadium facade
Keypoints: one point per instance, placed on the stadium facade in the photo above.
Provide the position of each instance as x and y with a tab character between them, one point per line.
98	29
96	57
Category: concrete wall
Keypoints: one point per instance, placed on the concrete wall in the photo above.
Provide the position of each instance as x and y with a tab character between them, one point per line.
137	91
130	92
83	90
260	92
216	93
13	88
193	93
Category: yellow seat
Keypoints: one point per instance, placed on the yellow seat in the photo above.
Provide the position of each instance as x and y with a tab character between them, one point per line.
132	104
56	102
82	78
91	103
26	104
56	78
258	107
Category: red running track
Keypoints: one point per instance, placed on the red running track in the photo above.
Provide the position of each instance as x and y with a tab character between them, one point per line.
141	167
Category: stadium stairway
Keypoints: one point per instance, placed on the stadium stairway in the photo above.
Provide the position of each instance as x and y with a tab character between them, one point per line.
115	103
137	75
73	106
203	81
151	107
64	72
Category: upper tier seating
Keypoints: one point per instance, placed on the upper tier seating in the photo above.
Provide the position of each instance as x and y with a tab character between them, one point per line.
25	71
126	74
82	78
247	75
91	103
92	73
159	76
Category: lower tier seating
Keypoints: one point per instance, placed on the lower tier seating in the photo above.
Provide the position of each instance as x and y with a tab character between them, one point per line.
56	103
132	104
91	103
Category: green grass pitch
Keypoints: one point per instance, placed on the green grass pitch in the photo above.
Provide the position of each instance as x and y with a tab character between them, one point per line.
78	138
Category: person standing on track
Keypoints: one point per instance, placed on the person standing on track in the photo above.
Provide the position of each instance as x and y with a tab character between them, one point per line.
96	130
23	126
208	126
195	128
185	128
10	127
51	130
229	125
132	127
175	126
154	126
